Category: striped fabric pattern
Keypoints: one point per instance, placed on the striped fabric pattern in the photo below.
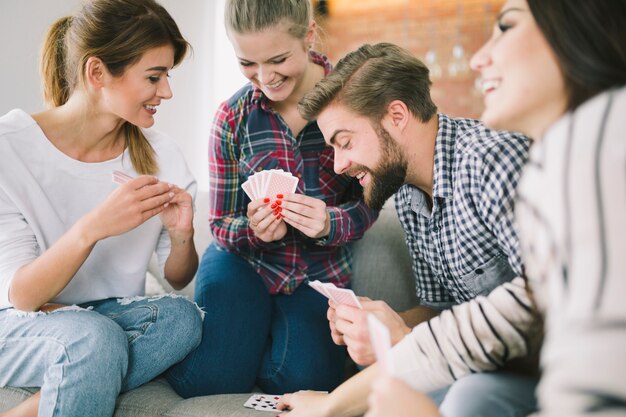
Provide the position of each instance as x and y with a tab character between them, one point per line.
248	136
572	217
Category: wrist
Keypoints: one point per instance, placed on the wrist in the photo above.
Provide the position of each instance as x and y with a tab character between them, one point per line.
181	237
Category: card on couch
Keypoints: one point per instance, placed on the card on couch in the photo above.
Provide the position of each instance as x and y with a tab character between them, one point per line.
262	402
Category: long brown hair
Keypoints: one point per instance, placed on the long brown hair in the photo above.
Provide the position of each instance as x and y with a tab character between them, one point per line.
118	32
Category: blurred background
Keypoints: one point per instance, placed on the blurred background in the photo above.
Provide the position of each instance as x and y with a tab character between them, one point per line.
443	33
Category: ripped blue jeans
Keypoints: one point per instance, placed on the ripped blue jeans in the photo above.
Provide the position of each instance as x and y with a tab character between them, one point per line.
83	357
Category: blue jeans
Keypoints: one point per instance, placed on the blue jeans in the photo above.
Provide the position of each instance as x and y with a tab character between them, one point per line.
489	394
82	359
280	343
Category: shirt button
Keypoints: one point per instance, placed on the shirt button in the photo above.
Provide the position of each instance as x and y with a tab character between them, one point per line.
479	271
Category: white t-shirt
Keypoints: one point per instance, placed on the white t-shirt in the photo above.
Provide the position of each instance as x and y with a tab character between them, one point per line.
43	192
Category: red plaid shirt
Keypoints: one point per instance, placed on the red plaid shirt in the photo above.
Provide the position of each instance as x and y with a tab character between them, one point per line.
247	137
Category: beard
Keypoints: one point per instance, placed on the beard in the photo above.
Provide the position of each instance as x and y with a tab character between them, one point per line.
389	175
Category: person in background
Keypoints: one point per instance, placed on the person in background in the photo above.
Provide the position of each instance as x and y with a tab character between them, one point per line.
556	70
265	327
71	237
455	183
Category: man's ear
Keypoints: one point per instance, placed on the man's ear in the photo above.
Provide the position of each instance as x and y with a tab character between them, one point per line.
95	72
397	116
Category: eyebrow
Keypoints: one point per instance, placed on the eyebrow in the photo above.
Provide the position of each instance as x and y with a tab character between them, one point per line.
162	69
269	59
510	9
332	139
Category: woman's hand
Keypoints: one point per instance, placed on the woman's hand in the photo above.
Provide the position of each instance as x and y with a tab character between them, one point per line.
307	214
177	215
130	205
305	404
265	221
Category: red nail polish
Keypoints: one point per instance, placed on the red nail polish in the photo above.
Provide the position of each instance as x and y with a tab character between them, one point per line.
276	211
274	206
266	200
279	196
279	202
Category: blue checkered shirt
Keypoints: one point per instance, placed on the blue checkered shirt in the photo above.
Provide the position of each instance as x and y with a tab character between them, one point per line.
469	224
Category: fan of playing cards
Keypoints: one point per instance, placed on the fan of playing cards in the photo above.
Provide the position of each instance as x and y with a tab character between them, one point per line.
270	183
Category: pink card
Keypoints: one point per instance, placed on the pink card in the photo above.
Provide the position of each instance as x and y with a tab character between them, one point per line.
120	177
343	296
279	184
247	187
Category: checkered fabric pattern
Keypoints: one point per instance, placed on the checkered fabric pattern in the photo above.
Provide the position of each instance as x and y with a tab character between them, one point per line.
248	136
470	219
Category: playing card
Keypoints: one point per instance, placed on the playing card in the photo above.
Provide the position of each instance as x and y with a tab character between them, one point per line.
338	295
247	187
121	178
262	402
279	183
320	288
381	342
343	296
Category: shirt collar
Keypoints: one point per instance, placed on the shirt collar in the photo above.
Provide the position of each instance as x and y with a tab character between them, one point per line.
444	157
315	57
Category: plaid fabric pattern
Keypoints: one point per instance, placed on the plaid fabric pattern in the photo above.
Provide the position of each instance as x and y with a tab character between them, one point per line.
475	174
247	137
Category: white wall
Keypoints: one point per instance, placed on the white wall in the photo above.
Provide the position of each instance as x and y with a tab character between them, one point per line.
203	80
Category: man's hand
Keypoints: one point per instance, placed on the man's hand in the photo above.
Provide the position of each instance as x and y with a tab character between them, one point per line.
349	327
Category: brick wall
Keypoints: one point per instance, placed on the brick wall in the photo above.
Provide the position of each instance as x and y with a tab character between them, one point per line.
419	26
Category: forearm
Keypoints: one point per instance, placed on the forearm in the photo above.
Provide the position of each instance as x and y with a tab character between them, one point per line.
417	315
349	222
350	398
39	281
477	336
182	262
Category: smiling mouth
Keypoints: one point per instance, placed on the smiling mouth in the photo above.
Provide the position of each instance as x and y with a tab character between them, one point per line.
487	86
150	107
276	84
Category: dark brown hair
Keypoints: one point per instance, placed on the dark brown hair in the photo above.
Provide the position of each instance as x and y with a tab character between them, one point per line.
589	39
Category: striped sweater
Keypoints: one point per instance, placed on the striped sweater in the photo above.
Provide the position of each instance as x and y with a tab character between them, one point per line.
571	215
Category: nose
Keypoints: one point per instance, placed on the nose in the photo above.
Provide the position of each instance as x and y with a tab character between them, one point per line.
265	74
482	57
341	163
164	91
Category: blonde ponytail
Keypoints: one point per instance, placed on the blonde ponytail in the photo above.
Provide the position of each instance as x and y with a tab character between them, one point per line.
142	155
56	88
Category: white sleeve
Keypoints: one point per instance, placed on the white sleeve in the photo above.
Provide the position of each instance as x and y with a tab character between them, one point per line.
18	245
476	336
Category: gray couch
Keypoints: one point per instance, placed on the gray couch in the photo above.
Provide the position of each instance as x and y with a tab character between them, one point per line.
382	270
